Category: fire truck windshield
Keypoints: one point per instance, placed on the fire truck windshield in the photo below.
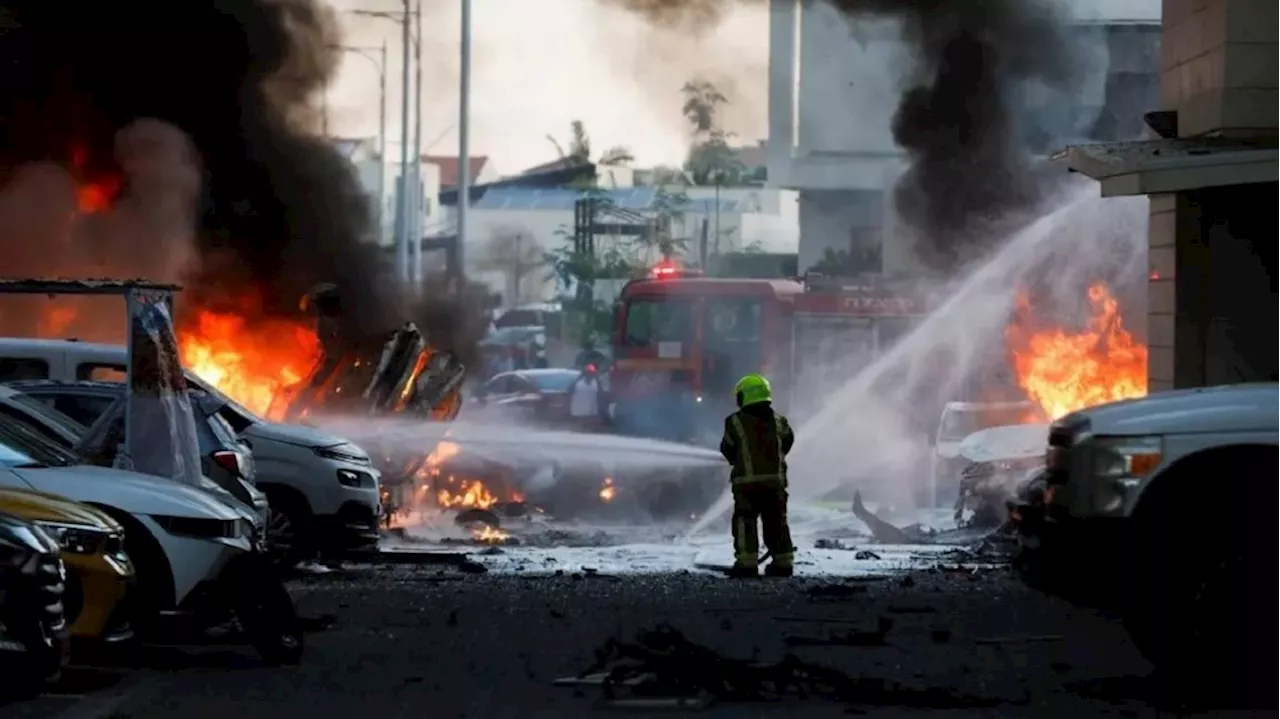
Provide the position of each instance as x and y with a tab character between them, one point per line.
658	319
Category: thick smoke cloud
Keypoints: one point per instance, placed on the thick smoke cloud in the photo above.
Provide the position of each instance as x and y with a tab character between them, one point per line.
202	108
958	120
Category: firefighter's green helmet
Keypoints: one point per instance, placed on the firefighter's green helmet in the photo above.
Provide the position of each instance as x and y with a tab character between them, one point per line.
753	389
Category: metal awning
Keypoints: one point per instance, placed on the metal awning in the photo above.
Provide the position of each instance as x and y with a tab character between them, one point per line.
1170	165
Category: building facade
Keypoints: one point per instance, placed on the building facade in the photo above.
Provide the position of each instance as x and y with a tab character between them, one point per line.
834	86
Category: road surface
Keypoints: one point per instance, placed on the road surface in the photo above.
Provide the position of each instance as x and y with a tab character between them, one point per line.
420	641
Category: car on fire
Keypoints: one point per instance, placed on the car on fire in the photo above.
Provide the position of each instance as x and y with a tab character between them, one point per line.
33	627
322	490
193	552
99	572
1163	510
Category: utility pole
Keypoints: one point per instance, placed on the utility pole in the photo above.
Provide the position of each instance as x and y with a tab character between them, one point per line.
519	270
464	136
382	141
402	200
419	225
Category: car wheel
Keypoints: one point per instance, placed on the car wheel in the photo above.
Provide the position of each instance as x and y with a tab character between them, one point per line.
1201	611
287	521
152	591
266	613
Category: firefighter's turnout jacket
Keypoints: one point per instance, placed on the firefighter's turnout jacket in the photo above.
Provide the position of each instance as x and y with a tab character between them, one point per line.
756	442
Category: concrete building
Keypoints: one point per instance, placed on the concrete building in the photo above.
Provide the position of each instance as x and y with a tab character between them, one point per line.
381	183
1212	180
833	88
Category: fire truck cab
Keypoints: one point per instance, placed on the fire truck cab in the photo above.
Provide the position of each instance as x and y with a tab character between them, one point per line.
681	341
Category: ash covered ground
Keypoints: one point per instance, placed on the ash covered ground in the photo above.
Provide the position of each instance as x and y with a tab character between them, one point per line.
413	641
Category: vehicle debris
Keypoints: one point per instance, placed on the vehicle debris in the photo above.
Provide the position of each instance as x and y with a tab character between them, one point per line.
877	637
1030	639
662	669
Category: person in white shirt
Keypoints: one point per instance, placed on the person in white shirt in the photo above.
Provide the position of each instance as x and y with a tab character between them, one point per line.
584	400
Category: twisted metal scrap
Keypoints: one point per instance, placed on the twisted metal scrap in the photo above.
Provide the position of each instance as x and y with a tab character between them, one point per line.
663	662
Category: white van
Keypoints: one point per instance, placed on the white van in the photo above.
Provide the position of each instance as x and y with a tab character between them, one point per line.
958	421
323	490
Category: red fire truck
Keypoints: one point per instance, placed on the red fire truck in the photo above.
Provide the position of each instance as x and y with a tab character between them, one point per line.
681	341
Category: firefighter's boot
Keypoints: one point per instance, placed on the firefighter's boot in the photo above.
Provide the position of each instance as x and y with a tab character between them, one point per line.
774	569
743	571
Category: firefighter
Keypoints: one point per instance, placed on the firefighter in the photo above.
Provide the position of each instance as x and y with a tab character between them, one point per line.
756	442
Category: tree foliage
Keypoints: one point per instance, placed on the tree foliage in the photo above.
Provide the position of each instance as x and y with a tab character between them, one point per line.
711	159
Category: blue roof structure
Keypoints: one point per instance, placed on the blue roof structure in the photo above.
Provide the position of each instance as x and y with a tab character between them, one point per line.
631	198
521	198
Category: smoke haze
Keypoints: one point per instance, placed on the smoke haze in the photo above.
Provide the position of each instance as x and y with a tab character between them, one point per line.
539	65
200	113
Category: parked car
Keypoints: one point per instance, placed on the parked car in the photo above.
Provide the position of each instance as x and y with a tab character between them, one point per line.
528	396
194	552
224	458
1163	510
33	628
92	547
322	488
516	347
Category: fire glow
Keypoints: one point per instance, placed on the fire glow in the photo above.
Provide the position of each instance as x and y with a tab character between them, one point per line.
251	359
1063	371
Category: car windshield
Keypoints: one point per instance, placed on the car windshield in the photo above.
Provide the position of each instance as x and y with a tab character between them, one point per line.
11	456
37	450
552	381
512	335
35	407
958	424
235	413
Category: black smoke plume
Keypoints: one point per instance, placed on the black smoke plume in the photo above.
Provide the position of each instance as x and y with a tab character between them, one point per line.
275	209
957	120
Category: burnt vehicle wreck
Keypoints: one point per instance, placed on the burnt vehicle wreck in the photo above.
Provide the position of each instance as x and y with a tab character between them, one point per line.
397	374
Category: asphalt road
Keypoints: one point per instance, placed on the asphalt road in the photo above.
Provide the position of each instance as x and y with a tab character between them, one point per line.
413	642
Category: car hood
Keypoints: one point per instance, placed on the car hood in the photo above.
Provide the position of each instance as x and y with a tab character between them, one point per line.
296	434
1229	408
40	507
131	491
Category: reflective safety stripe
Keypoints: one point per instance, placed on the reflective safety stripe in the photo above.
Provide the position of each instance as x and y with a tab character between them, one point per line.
749	475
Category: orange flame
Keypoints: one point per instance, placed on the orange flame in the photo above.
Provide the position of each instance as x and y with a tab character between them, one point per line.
93	194
250	359
1065	372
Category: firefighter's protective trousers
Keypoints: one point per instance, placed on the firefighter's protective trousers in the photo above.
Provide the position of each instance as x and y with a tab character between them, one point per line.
756	442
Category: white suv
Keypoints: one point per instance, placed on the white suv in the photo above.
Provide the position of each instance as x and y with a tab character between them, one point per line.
323	490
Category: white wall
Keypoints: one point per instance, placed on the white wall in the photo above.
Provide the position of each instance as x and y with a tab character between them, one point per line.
367	170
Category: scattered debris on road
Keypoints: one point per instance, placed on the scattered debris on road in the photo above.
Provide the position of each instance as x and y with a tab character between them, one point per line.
662	669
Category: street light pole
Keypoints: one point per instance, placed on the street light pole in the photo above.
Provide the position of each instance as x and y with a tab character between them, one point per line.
464	136
418	220
382	142
402	199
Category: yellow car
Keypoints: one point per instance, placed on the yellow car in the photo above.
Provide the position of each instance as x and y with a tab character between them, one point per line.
98	571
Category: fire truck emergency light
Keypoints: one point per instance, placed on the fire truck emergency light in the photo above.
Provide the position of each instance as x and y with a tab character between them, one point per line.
668	269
